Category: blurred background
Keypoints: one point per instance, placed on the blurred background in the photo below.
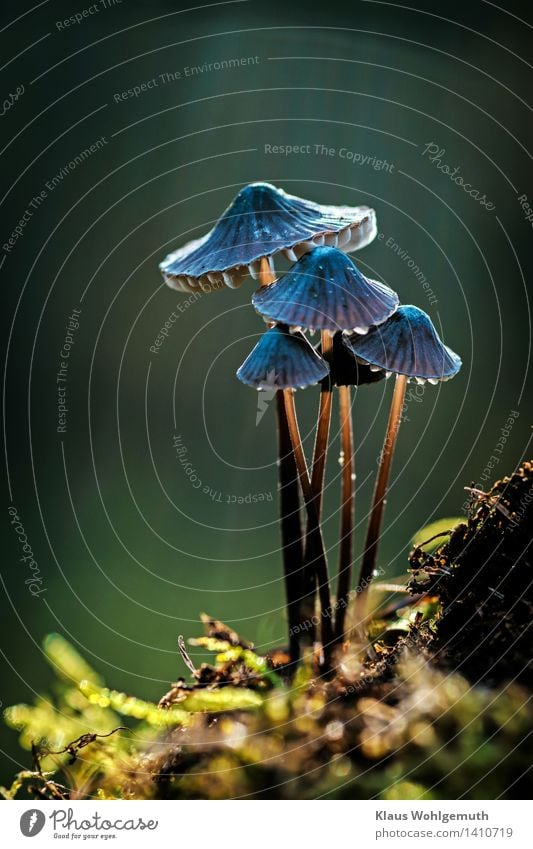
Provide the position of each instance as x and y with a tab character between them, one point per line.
129	540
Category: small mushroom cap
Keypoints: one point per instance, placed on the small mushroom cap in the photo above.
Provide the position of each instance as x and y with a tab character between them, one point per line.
345	369
326	291
261	221
407	343
282	360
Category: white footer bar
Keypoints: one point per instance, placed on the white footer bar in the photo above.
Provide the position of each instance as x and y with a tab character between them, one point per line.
267	824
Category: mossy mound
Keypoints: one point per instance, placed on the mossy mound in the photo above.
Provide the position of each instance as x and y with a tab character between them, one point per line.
436	706
483	577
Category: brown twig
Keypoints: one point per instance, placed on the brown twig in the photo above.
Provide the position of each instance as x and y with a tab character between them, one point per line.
186	657
73	748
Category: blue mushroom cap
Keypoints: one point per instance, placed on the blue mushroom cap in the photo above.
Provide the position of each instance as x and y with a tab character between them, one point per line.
407	343
326	291
261	221
282	360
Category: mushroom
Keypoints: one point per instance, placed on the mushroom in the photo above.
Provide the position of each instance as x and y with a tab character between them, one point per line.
407	345
346	371
326	291
282	360
286	361
263	221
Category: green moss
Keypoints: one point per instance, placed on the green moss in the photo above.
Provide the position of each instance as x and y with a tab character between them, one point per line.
421	719
413	733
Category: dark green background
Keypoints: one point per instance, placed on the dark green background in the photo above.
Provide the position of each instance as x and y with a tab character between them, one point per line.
144	553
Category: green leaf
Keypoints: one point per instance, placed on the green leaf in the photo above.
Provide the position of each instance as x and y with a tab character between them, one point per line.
439	529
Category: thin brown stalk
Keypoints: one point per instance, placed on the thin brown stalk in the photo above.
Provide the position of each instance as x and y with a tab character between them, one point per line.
317	486
291	528
289	502
380	496
266	275
347	510
322	429
314	529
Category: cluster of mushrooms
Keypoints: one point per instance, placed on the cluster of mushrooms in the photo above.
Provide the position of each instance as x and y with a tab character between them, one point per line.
365	336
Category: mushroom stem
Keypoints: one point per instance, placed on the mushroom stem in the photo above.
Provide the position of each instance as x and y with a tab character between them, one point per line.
291	528
322	431
315	542
380	496
296	441
266	274
317	482
347	510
